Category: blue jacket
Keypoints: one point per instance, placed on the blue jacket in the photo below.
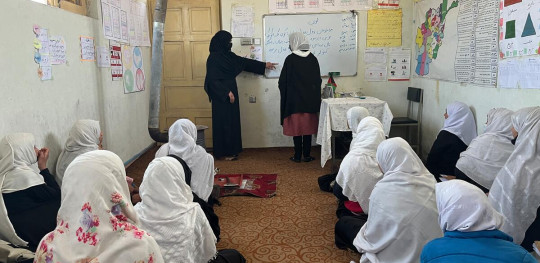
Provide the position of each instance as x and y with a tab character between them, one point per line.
487	246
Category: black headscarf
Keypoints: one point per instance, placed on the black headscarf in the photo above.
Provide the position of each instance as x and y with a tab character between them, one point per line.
221	42
222	63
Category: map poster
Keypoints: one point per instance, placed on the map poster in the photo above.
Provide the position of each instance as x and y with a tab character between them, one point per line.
457	41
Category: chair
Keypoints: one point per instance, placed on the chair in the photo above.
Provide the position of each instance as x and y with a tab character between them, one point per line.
414	96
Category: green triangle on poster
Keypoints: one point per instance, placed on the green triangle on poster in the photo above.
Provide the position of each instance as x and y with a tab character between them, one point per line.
529	28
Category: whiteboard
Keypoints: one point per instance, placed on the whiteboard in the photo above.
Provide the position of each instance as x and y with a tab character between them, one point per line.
332	38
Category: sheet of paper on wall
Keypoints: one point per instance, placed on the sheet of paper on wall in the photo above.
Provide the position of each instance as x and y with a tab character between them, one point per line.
87	49
388	3
384	28
509	74
530	73
399	64
116	61
375	55
519	33
57	47
256	53
44	49
316	6
376	72
45	73
242	21
103	57
138	23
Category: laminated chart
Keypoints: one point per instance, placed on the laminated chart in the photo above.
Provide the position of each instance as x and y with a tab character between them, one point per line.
519	28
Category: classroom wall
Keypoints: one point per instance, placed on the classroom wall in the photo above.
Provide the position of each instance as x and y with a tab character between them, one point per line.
261	122
78	90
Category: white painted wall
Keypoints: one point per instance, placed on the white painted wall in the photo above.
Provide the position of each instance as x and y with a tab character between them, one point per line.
79	89
260	121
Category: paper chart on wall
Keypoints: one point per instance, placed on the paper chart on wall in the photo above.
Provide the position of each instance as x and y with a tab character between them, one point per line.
57	47
116	62
87	49
399	64
519	28
242	21
125	21
375	63
388	3
103	57
42	52
138	24
523	73
314	6
133	69
384	28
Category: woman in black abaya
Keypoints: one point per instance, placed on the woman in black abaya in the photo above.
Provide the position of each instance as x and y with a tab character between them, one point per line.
222	67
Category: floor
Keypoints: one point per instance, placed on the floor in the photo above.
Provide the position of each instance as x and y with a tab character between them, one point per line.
296	225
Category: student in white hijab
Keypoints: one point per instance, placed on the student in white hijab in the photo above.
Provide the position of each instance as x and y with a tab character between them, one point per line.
458	132
300	92
26	195
85	136
357	176
403	213
516	190
182	143
168	213
471	229
354	116
488	152
97	222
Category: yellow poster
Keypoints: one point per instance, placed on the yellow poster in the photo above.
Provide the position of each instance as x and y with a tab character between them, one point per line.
384	28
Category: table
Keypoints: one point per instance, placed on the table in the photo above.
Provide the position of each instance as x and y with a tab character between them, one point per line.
333	117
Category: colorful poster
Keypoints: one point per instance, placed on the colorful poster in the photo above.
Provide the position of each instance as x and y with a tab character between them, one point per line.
399	64
519	28
116	62
133	65
384	28
42	52
388	3
87	49
457	40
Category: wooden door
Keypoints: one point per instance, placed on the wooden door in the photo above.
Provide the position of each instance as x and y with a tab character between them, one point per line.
189	26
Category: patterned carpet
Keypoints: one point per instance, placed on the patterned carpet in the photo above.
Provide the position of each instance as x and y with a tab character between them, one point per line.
297	225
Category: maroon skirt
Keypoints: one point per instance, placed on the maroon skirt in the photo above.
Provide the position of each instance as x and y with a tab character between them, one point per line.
299	124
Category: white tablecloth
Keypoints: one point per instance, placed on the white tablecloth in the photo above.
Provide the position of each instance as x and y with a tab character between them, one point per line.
333	117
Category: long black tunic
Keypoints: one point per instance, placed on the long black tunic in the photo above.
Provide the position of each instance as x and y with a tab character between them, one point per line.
444	154
222	69
33	211
300	85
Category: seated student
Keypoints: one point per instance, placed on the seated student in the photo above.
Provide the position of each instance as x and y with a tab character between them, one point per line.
402	210
300	91
169	214
182	143
85	136
354	117
488	152
358	174
516	190
207	208
97	222
471	229
458	132
29	201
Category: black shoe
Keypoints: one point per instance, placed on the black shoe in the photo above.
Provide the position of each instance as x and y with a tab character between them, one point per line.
294	159
308	159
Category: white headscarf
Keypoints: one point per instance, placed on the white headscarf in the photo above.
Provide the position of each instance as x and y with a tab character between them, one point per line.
488	152
354	116
298	42
168	213
359	171
182	143
516	190
460	122
464	207
16	156
403	213
83	137
96	221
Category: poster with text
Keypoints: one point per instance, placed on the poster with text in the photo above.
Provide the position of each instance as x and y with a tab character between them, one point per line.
519	28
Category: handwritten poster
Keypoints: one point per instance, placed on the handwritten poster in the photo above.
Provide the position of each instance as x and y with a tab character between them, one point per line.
87	49
375	61
44	49
41	53
45	73
519	72
57	47
316	6
116	62
384	28
126	21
